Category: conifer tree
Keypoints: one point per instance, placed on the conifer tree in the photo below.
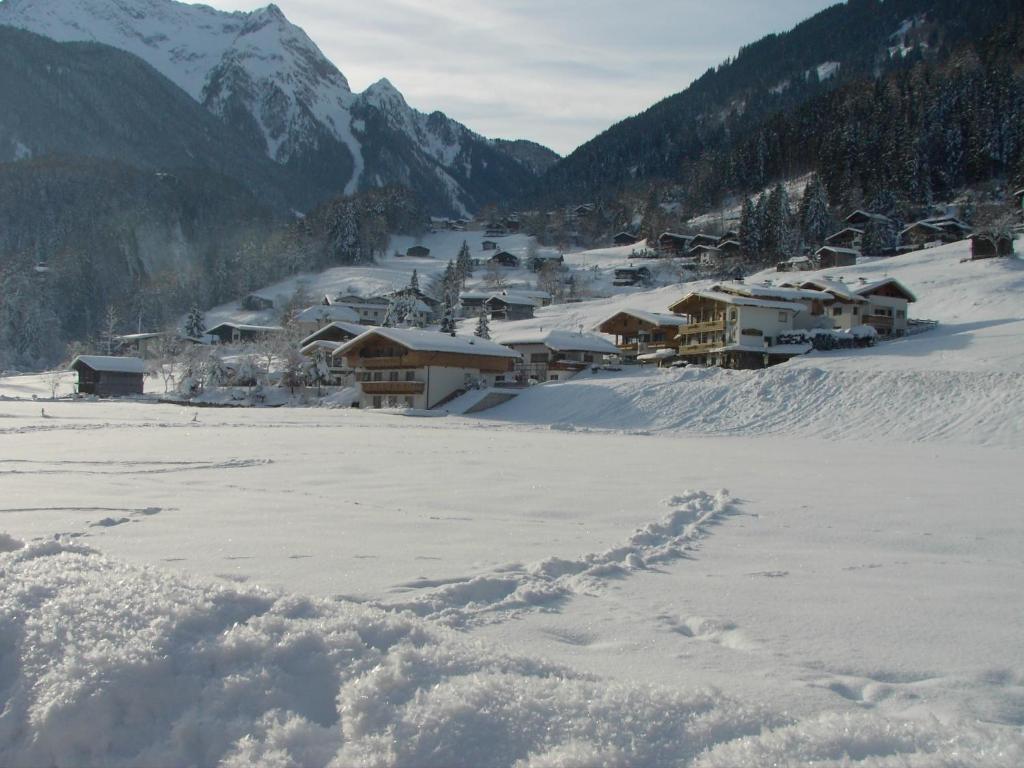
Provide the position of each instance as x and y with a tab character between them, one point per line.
814	216
414	283
464	264
483	328
448	317
195	323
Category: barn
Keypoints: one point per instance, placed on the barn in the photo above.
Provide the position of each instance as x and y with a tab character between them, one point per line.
109	376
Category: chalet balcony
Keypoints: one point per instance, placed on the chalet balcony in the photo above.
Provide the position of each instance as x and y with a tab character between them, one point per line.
699	349
881	323
711	325
380	362
393	387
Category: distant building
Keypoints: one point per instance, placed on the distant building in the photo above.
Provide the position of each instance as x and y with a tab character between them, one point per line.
311	318
370	311
557	355
625	238
237	333
830	256
637	332
539	261
847	237
418	252
673	244
408	368
861	218
509	307
625	276
795	264
504	259
109	376
888	301
987	245
254	302
488	245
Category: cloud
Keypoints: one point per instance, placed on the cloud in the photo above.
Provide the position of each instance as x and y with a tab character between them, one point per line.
553	71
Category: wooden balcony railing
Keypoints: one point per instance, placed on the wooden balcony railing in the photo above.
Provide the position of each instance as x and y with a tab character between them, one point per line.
699	349
711	325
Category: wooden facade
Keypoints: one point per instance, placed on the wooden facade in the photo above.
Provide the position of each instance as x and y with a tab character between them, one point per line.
378	352
988	245
636	333
418	252
830	257
705	327
504	259
109	377
625	238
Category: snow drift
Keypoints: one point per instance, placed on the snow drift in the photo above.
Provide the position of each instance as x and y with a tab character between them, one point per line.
102	663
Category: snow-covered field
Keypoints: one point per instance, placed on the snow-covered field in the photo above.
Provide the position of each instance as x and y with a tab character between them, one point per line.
820	563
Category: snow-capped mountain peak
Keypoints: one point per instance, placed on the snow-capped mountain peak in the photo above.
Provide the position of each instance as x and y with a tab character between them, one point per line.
269	81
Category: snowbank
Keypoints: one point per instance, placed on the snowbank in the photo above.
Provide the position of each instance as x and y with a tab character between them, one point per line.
107	664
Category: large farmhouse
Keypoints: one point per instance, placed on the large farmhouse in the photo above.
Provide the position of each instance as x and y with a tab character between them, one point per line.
410	368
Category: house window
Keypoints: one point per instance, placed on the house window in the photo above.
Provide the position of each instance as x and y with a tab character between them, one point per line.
378	376
588	358
410	375
539	357
856	311
732	314
900	313
393	376
377	401
837	311
783	317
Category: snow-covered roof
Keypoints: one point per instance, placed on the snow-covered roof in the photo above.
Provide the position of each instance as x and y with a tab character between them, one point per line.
872	287
923	225
836	249
676	236
654	318
532	293
432	341
658	354
744	301
867	214
334	312
246	327
327	346
768	291
561	341
835	287
353	329
512	298
471	295
107	364
139	336
855	231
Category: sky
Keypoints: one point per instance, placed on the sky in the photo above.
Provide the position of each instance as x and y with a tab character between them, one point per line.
558	72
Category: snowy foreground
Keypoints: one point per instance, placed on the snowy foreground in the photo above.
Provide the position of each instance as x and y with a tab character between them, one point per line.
561	581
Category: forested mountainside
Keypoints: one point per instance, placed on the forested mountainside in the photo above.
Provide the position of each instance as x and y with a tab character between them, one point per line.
267	81
723	132
91	100
83	240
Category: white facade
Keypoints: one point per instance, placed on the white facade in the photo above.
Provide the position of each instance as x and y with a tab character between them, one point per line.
438	383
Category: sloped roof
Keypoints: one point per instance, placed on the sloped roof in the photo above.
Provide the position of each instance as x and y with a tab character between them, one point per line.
108	364
770	292
432	341
353	329
562	341
835	287
837	249
334	312
245	327
869	288
654	318
743	301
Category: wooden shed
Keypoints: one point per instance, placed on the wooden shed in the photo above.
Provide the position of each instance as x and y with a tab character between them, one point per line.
418	252
109	376
988	245
625	238
831	256
504	259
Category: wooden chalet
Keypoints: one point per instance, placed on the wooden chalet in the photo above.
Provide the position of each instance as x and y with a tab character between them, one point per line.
625	276
237	333
888	305
988	245
729	234
106	376
795	264
488	245
409	368
847	237
509	306
730	248
703	239
556	355
418	252
625	238
254	302
319	315
637	332
842	307
708	256
504	259
737	331
335	333
861	218
831	256
371	311
537	262
673	244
